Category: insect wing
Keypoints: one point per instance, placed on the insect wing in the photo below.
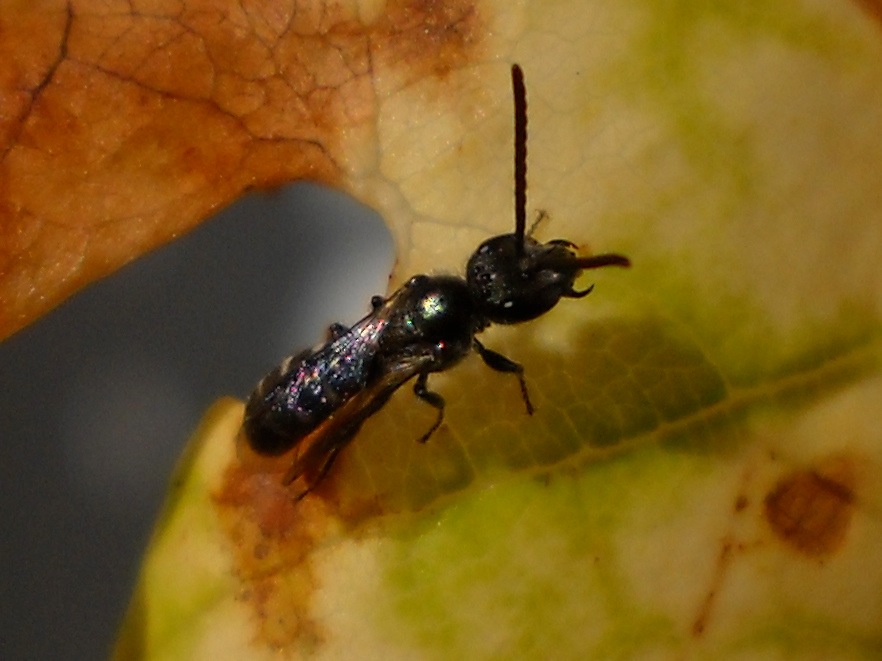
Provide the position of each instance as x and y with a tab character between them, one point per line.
318	449
290	402
340	369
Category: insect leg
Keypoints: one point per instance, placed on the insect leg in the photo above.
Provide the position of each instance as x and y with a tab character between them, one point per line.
431	398
541	217
336	331
500	363
322	473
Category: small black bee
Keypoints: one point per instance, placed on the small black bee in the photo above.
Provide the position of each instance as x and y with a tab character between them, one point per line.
315	402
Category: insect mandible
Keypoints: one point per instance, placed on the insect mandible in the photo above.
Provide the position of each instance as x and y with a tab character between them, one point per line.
314	403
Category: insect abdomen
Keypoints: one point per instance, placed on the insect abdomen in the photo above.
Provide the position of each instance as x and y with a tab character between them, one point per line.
306	389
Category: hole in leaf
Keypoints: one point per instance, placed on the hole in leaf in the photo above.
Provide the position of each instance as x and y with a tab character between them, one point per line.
102	393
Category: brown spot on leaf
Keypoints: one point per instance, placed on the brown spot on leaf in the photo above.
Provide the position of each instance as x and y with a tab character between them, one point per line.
728	550
453	30
271	536
724	559
873	8
810	509
125	124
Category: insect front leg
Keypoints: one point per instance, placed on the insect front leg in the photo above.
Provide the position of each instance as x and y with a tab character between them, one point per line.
541	217
433	399
500	363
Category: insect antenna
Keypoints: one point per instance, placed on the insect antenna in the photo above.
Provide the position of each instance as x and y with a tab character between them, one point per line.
520	154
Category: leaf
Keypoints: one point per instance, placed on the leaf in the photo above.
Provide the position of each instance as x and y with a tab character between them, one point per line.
126	123
700	479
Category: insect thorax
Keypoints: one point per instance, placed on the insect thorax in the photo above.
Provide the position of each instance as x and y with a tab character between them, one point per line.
435	315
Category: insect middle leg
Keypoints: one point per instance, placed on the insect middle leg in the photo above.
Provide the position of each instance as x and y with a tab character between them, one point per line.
500	363
422	391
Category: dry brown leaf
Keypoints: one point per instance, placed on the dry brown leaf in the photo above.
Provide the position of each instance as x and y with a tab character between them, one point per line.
126	123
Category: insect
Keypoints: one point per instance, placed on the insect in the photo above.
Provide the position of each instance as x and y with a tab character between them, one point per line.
315	402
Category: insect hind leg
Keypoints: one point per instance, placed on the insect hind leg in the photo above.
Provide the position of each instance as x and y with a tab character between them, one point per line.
336	331
296	471
496	361
433	399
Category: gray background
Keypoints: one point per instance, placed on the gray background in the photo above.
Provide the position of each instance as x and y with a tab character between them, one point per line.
101	394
